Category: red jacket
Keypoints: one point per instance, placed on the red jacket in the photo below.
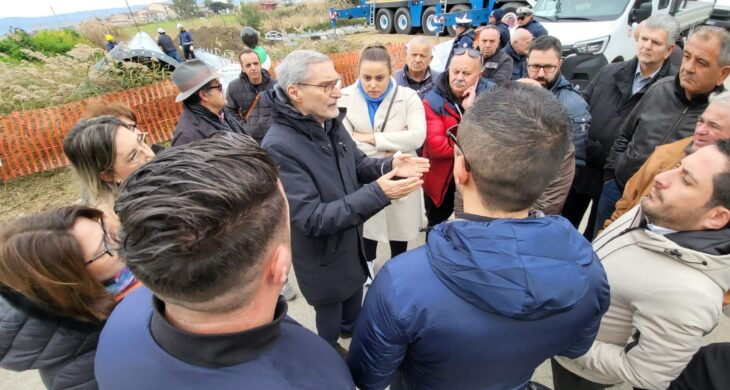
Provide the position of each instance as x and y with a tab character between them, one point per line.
436	148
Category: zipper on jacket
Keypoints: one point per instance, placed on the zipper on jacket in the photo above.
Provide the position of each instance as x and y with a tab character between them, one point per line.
674	128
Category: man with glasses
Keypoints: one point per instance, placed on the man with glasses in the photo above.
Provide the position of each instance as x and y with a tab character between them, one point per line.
526	20
453	95
543	68
204	104
498	290
332	188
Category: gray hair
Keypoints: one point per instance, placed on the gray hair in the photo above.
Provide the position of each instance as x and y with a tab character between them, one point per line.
664	22
722	35
722	98
295	67
420	40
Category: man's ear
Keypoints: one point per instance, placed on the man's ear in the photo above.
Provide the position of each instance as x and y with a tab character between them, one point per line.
461	175
108	176
724	72
294	93
278	264
717	218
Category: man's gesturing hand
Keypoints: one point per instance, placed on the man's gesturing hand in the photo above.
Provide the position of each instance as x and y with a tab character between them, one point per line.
396	189
409	166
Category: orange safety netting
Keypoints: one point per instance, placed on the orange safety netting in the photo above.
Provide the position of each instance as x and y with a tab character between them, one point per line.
31	140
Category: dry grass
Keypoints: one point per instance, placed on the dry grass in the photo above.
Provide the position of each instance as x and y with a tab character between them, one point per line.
38	192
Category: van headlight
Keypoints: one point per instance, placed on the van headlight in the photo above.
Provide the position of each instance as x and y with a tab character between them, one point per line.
593	46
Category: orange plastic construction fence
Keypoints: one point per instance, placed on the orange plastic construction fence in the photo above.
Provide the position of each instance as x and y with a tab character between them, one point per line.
31	140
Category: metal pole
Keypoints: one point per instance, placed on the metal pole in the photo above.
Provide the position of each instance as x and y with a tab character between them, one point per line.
58	21
132	15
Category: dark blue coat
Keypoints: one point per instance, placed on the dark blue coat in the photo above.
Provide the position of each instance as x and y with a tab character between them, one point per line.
329	184
503	34
580	115
535	28
185	38
519	63
480	306
281	355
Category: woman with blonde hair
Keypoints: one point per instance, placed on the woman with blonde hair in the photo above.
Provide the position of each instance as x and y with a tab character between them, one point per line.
104	150
385	119
60	278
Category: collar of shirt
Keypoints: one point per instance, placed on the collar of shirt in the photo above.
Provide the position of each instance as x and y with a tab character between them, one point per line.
640	81
660	229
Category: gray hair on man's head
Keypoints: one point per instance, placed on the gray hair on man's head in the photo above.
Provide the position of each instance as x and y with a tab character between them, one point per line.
722	98
295	67
420	40
663	22
722	35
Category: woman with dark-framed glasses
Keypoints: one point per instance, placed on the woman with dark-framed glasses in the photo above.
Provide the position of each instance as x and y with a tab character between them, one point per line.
60	278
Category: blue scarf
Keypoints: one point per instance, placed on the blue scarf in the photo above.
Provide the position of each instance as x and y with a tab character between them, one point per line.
373	103
120	282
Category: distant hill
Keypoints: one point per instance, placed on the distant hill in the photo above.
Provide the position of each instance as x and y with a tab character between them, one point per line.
67	20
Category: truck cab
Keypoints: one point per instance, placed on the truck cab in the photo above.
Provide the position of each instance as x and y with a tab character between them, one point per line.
597	32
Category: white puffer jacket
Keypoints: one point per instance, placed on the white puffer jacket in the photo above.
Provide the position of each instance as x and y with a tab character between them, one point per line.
666	294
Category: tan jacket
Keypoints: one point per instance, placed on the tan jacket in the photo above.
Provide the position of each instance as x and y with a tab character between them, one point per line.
664	157
405	131
665	297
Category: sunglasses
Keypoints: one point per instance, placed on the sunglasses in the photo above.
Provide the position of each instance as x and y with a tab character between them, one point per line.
452	140
473	53
219	87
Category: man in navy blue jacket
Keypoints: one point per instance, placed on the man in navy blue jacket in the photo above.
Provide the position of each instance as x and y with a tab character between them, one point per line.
497	291
205	227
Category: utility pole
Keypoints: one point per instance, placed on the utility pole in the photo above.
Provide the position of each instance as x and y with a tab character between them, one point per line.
58	21
132	15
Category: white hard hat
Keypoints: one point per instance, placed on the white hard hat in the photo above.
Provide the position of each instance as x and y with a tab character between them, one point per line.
160	30
464	19
179	25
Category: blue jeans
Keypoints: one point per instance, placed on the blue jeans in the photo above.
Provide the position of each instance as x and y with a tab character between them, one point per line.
607	204
174	55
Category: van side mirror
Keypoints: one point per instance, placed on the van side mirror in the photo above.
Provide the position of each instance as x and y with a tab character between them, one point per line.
640	13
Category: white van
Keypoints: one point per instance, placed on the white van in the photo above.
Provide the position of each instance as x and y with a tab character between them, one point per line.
597	32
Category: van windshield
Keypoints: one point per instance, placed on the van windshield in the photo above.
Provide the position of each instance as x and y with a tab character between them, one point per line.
555	10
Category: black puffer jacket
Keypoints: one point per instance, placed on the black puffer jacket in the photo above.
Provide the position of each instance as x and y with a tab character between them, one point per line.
329	185
61	348
610	100
241	95
663	116
194	126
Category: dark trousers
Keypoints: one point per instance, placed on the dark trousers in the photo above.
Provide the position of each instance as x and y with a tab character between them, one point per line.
566	380
607	203
334	318
187	53
437	214
575	208
371	248
709	369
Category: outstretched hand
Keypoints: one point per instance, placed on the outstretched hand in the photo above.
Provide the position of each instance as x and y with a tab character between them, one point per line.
410	166
396	189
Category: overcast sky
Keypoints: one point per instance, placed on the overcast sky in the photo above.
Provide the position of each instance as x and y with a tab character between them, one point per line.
32	8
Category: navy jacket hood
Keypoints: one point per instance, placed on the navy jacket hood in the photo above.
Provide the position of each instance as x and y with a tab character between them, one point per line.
500	266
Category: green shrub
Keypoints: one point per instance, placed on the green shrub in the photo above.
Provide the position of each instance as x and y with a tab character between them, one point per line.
54	41
250	16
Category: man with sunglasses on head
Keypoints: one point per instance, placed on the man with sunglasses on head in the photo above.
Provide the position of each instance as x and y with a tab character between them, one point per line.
454	94
526	20
499	289
543	69
204	104
332	188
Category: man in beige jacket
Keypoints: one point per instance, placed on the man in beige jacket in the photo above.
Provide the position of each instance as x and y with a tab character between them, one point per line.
668	264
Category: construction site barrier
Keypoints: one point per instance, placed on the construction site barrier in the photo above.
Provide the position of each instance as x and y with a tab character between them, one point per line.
31	141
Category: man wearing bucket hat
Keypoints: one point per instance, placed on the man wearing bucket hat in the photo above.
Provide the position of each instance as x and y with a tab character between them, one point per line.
204	104
527	21
165	43
186	42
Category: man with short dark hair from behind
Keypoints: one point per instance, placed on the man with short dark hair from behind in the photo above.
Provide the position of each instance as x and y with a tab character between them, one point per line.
497	291
205	227
668	264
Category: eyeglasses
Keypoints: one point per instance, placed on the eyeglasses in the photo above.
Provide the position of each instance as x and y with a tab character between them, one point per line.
219	87
473	53
328	88
547	68
452	140
104	242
